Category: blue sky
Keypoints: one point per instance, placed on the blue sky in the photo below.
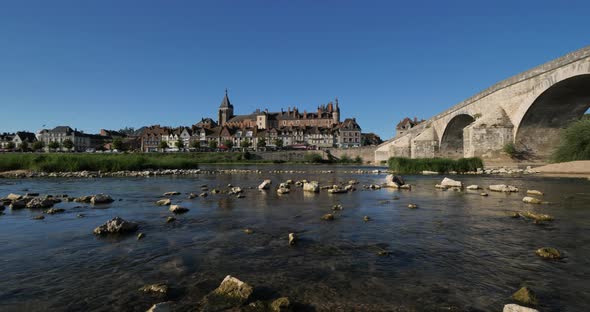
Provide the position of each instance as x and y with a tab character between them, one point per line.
110	64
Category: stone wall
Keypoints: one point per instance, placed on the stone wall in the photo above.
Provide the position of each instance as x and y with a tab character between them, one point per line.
367	153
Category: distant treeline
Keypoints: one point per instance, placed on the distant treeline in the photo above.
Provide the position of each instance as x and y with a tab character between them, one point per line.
441	165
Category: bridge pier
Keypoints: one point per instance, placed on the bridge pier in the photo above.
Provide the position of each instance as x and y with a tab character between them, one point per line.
425	145
487	136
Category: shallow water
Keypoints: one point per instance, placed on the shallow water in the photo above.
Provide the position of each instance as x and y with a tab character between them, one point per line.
458	251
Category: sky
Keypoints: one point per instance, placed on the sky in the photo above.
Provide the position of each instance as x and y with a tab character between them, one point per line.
113	63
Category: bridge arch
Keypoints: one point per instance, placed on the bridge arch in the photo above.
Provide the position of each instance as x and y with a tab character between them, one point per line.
538	131
451	143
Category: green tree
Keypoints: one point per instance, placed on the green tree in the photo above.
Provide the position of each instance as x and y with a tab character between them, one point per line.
213	144
279	143
38	145
68	144
228	143
245	144
24	146
10	146
54	145
196	144
575	142
117	144
261	143
163	145
179	144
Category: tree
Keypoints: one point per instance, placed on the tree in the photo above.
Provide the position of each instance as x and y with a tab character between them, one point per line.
54	145
129	131
24	146
117	144
228	143
179	144
245	144
213	144
163	145
68	144
261	143
196	144
279	143
10	146
38	145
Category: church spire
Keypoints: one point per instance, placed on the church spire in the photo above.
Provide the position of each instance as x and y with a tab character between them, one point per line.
225	103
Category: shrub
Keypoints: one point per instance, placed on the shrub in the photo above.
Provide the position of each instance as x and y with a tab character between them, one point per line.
313	158
575	142
441	165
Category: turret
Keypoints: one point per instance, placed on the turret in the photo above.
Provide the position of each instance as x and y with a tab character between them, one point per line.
226	110
336	113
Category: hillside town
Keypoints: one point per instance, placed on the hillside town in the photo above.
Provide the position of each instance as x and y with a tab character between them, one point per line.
260	130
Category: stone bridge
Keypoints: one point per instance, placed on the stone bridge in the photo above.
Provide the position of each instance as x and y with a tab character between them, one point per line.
528	110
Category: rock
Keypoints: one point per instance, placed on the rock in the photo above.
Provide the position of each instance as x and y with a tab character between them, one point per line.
427	172
215	191
534	192
292	239
235	190
14	197
473	187
531	200
116	226
516	308
164	202
161	307
394	181
170	219
18	204
101	199
483	194
39	217
248	231
192	195
204	194
337	190
405	187
232	293
548	253
536	216
525	295
383	253
366	218
38	202
328	217
283	190
155	288
375	187
80	215
446	182
171	193
83	199
503	188
353	182
265	185
281	305
412	206
177	209
312	186
140	236
2	208
54	210
337	207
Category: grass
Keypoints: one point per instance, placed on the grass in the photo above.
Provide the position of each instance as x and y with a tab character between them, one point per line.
575	142
441	165
57	162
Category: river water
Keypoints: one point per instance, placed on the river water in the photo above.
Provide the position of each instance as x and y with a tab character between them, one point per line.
458	251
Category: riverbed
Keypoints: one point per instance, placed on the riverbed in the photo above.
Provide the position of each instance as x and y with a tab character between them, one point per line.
458	251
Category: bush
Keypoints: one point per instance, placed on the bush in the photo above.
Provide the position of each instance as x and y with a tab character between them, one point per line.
575	142
441	165
313	158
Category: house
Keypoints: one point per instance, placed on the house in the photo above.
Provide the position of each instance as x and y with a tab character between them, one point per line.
349	133
406	124
81	141
5	139
151	138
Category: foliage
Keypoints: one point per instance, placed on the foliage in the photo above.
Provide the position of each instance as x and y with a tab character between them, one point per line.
441	165
245	144
10	145
279	143
313	158
261	143
196	144
511	150
24	146
228	143
163	145
117	144
127	131
179	144
68	144
213	144
575	142
38	145
53	145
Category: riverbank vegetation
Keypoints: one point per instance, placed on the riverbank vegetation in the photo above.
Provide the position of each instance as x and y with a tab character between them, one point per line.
440	165
575	142
316	158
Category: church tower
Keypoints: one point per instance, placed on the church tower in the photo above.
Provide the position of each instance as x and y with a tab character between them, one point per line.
226	110
336	114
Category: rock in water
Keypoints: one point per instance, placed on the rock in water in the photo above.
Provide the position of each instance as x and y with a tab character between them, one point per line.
516	308
394	181
536	216
155	288
116	226
531	200
292	239
177	209
265	185
283	190
140	236
40	203
281	305
446	182
312	186
548	253
164	202
328	217
503	188
101	199
170	219
18	204
171	193
525	295
13	196
534	192
232	293
412	206
366	218
54	210
473	187
161	307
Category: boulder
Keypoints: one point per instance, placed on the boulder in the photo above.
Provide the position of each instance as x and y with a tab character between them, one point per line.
412	206
161	307
116	226
235	190
292	239
312	186
232	293
38	202
394	181
366	218
281	305
101	199
204	194
336	207
516	308
39	217
140	236
164	202
538	217
14	197
473	187
83	199
54	210
177	209
534	192
503	188
337	190
283	190
446	182
171	193
548	253
328	217
525	295
170	219
155	288
531	200
192	195
18	204
483	194
265	185
428	172
248	231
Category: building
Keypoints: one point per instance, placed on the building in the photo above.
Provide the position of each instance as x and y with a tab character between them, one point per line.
81	141
370	139
151	138
406	124
349	133
6	139
24	137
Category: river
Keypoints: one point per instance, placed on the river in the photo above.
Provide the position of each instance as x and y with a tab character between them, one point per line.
458	251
